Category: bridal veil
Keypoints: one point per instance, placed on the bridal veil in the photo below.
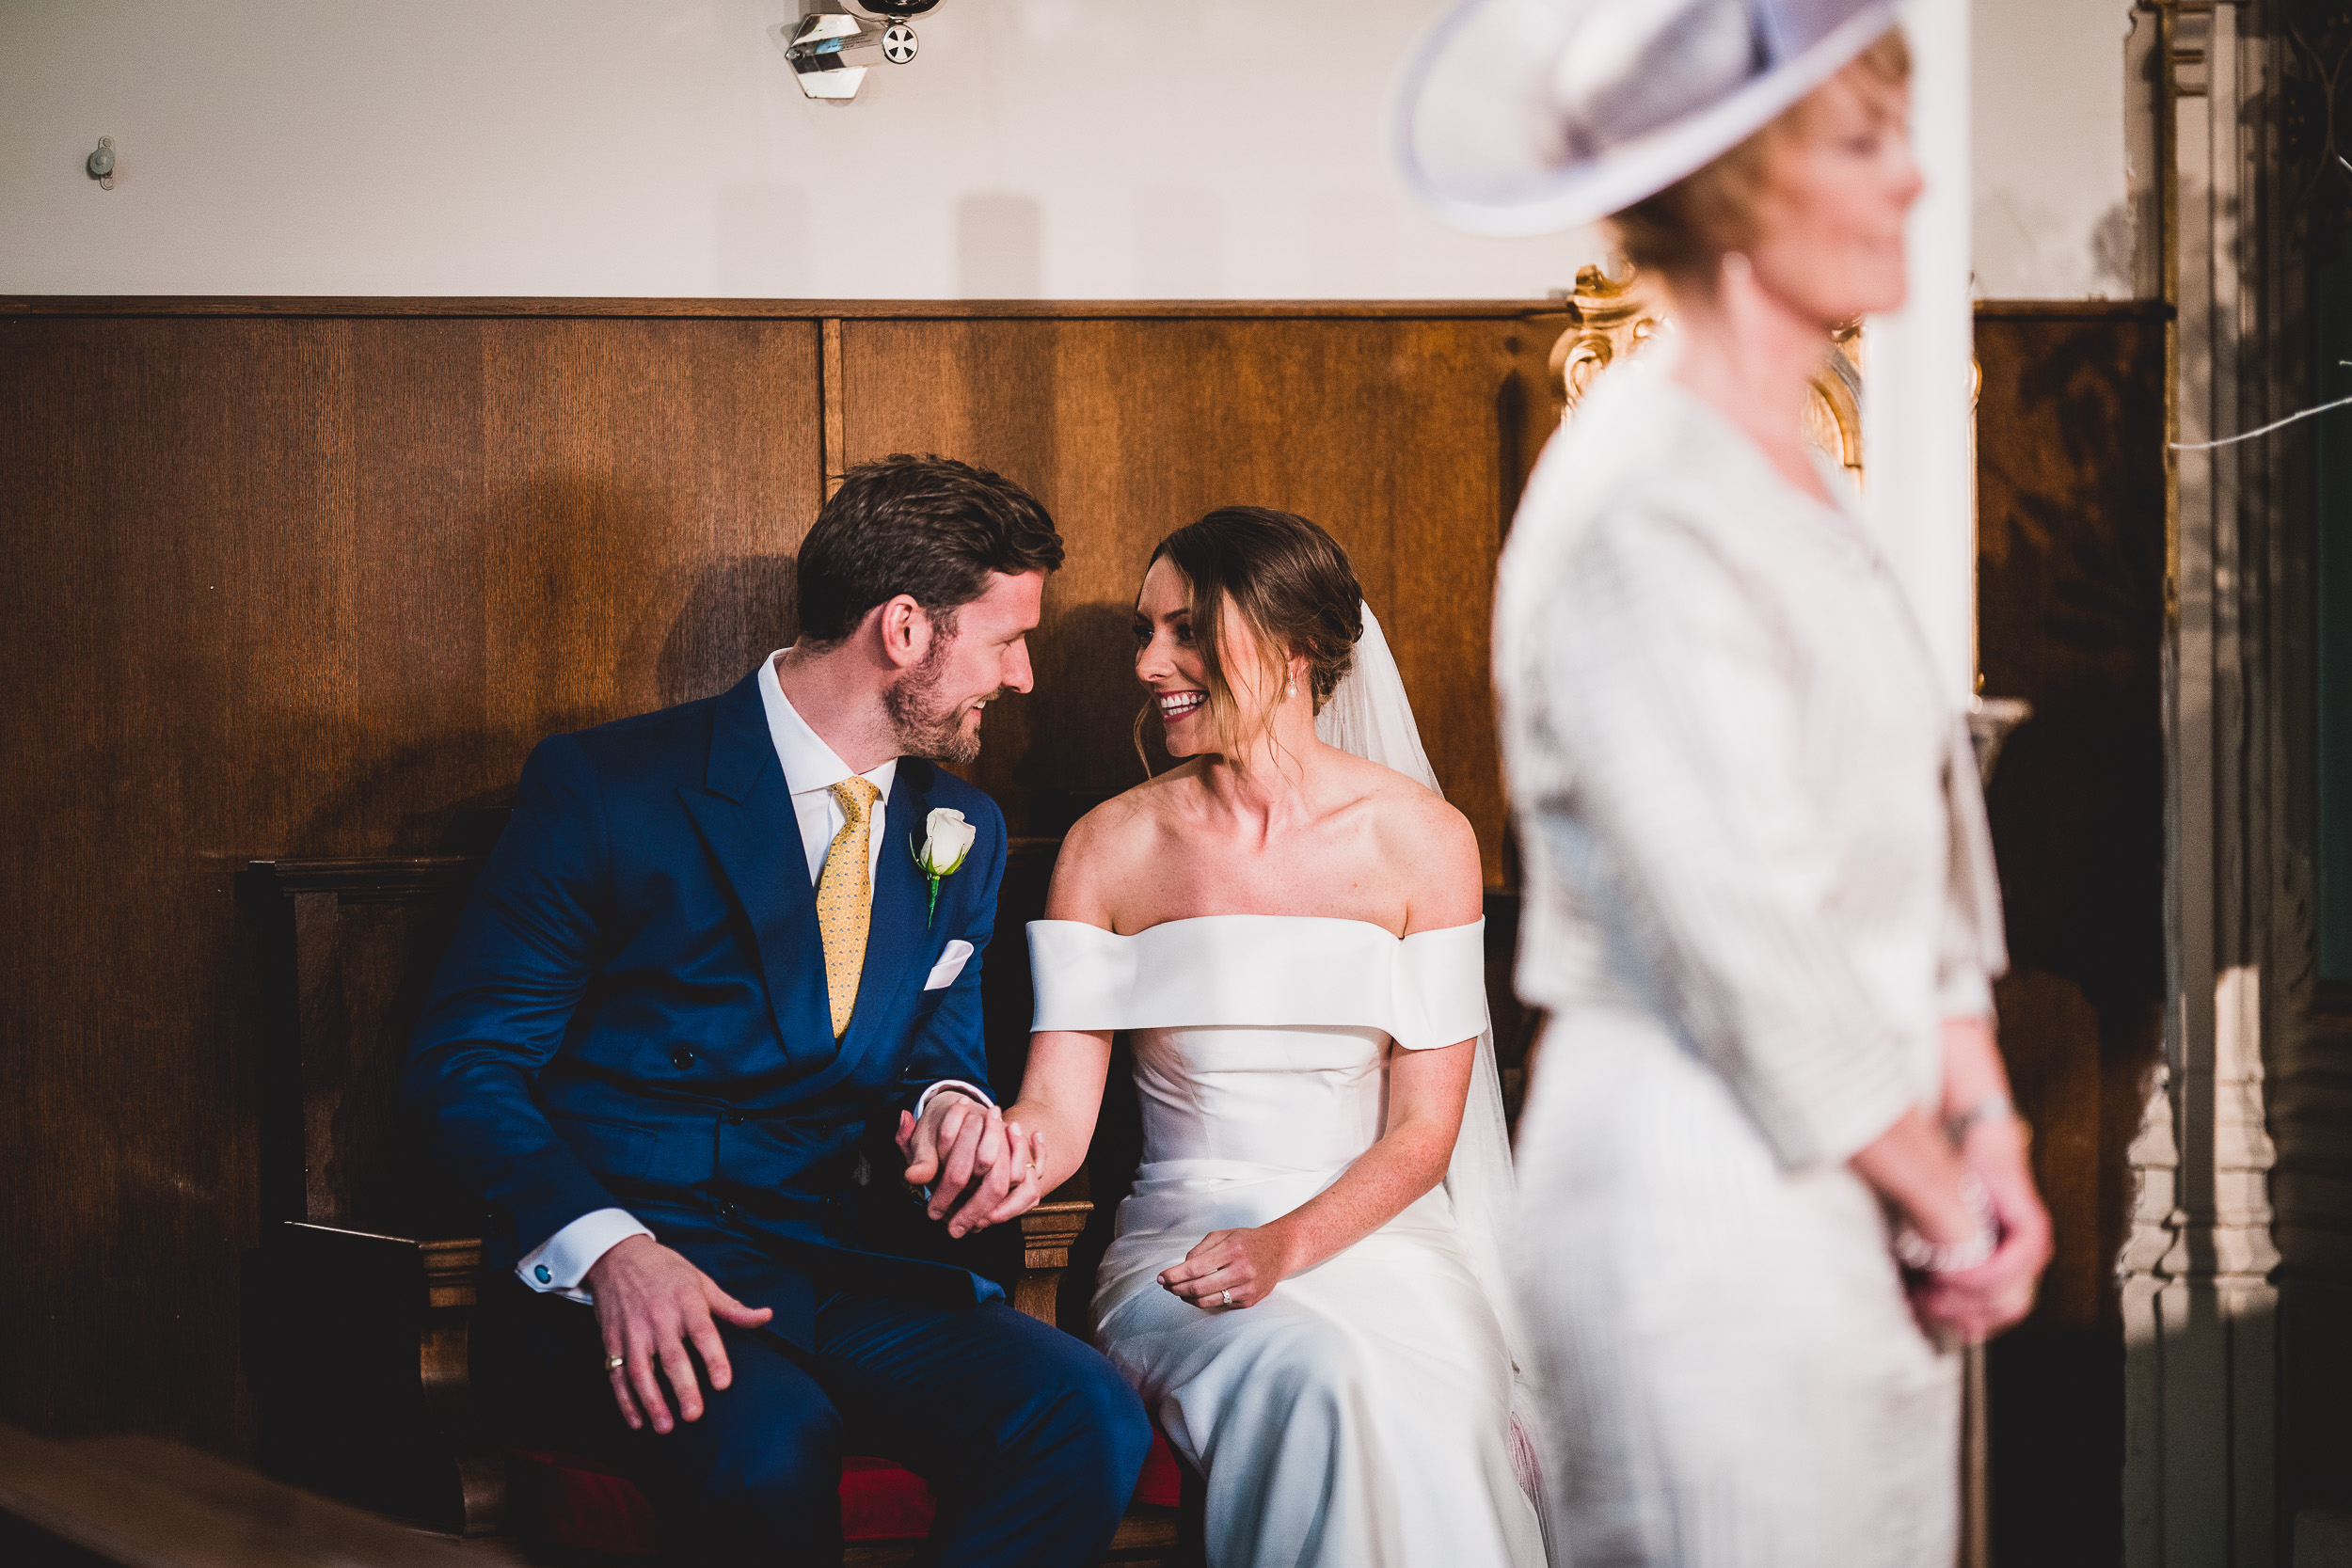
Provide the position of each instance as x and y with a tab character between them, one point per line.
1370	716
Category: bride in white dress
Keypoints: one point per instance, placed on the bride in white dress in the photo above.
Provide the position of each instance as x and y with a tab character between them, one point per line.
1304	1284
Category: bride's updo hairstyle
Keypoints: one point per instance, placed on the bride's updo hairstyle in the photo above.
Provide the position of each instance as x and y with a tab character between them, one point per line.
1287	580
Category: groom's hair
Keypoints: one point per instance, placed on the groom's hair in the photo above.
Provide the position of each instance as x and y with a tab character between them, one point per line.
931	528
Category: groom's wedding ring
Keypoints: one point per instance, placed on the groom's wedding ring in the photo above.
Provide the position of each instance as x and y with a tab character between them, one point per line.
614	1363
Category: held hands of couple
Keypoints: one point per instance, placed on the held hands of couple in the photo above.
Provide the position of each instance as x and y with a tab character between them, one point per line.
962	1148
653	1307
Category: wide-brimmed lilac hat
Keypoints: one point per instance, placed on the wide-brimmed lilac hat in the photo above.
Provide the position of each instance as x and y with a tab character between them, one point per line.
1523	117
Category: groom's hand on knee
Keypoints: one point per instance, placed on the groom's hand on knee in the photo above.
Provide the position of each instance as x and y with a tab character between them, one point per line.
651	1305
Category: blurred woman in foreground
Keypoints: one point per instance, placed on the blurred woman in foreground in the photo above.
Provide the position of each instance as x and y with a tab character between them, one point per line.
1769	1170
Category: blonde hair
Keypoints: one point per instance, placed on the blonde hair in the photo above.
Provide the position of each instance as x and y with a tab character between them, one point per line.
1683	233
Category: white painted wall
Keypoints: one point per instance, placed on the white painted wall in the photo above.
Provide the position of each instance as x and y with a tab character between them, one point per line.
2053	215
1059	148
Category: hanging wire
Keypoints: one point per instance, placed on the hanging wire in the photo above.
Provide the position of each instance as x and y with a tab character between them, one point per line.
2275	424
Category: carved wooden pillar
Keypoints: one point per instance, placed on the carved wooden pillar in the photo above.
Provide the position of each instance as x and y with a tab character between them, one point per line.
2200	1306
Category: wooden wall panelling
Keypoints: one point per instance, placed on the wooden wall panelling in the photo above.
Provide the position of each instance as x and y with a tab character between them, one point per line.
288	583
302	576
1408	438
2070	608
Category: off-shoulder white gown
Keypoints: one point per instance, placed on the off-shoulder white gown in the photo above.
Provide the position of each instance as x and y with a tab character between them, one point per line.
1358	1416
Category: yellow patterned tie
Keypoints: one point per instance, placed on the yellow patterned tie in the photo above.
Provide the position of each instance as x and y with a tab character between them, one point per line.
845	898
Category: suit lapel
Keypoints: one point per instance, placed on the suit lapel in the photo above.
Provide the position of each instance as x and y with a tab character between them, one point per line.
744	814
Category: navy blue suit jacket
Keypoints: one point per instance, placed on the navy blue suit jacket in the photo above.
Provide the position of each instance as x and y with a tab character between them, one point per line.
633	1013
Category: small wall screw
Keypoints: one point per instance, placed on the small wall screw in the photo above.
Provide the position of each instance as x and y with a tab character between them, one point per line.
100	163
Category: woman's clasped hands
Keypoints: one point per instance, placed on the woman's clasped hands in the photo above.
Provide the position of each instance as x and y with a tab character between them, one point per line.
1974	1304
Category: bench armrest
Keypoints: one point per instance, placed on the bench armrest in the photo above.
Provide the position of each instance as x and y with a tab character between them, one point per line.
1047	1233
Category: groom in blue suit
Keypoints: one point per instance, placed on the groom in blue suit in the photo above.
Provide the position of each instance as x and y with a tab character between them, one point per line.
717	992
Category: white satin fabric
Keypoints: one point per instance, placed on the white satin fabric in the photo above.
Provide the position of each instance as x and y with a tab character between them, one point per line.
1359	1415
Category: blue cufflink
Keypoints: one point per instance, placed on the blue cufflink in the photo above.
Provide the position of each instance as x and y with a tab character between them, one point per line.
544	1276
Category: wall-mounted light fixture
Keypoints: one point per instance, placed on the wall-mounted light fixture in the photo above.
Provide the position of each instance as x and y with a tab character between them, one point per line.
821	43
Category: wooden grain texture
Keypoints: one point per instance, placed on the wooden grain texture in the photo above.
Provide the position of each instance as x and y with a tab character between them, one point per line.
303	586
141	1503
2070	508
1407	439
302	577
568	306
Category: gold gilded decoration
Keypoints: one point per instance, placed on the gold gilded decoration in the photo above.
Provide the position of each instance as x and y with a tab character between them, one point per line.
1610	319
1613	318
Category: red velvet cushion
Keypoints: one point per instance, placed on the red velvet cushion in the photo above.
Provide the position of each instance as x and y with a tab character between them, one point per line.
1163	1480
569	1501
566	1500
882	1502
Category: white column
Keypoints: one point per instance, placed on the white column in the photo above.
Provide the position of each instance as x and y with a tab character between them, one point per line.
1918	382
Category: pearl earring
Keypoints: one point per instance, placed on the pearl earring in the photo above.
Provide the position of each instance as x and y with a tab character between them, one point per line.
1290	690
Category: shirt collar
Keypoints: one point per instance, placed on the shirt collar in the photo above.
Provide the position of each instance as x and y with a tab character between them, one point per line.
809	763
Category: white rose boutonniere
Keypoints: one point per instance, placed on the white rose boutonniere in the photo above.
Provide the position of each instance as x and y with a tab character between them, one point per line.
947	839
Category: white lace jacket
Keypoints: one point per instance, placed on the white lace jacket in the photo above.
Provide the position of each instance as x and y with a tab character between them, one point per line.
1743	805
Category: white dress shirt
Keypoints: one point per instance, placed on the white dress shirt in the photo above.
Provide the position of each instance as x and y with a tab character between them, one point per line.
557	1265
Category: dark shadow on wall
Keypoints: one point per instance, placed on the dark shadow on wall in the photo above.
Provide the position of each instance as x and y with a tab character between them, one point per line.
2070	617
739	610
1080	748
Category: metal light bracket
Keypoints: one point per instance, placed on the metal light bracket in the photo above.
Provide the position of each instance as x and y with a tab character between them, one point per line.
820	43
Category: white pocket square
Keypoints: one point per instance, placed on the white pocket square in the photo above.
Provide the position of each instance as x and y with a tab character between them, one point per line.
950	964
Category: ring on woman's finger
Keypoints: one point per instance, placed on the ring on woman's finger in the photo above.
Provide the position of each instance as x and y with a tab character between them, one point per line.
1226	1299
614	1363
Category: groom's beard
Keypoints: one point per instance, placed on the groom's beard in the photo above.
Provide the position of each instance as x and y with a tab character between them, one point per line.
925	726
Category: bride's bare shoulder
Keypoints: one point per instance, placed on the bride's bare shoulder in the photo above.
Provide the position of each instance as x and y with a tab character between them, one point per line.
1433	848
1131	820
1111	844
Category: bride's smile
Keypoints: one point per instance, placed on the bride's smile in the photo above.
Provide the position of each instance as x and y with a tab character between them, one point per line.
1176	670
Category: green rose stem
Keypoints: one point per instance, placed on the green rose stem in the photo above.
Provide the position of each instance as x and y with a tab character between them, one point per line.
934	873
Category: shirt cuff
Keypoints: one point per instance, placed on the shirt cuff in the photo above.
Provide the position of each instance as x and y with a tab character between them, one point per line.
923	1103
557	1265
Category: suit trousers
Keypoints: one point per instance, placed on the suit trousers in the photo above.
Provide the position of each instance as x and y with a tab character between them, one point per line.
1031	1442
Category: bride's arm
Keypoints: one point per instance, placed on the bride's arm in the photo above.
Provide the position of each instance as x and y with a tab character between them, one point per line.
1437	855
1062	1088
1426	1089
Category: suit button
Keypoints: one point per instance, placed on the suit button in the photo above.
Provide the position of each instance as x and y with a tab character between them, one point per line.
681	1057
729	1211
736	1119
